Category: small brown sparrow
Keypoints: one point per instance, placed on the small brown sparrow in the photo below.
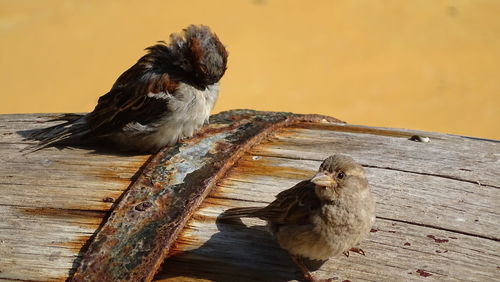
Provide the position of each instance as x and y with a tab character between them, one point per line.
167	95
321	217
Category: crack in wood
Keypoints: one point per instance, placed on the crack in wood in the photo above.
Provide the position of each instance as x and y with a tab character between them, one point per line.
439	228
388	168
409	197
89	211
434	174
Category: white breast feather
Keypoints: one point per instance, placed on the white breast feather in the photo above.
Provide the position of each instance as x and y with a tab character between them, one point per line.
189	109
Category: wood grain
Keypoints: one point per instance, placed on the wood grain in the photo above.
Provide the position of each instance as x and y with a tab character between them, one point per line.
438	206
52	201
438	209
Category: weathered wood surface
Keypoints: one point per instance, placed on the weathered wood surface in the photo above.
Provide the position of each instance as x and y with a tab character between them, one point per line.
52	201
438	208
140	231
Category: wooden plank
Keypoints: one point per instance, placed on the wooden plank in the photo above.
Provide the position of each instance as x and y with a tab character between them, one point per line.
251	254
438	208
52	201
463	158
426	199
132	244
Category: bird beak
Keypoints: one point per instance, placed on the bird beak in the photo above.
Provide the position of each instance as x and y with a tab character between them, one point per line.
323	179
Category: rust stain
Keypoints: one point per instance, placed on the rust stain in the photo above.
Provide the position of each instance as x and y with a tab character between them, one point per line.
215	199
219	198
216	192
221	147
202	218
184	240
62	212
423	273
76	244
83	218
352	129
235	121
145	238
265	167
143	206
108	200
114	172
119	174
437	240
187	241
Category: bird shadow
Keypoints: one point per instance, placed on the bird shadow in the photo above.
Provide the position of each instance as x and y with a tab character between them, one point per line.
96	148
235	253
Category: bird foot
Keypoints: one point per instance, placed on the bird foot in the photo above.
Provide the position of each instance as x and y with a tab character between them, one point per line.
310	278
356	250
307	275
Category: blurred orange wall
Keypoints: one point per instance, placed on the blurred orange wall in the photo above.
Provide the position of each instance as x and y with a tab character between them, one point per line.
431	65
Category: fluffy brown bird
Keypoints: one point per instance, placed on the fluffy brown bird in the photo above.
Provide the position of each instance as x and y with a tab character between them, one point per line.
167	95
322	217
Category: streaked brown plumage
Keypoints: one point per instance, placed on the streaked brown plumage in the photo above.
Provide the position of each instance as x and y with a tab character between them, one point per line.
321	217
167	95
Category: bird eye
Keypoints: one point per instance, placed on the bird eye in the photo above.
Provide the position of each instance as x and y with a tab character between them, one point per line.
340	175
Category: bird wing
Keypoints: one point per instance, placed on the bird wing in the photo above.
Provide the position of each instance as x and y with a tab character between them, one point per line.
140	95
292	206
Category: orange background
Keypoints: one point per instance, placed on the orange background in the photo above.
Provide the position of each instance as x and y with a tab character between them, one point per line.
430	65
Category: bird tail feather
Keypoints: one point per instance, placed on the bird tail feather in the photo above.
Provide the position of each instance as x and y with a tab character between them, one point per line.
241	212
69	132
67	117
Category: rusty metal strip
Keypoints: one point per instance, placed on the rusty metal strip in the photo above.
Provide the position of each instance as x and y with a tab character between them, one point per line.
138	234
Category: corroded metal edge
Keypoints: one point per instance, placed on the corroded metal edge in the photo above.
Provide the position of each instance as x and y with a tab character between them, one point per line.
139	233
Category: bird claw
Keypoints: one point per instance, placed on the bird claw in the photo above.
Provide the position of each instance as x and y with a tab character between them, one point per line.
307	274
312	279
357	250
